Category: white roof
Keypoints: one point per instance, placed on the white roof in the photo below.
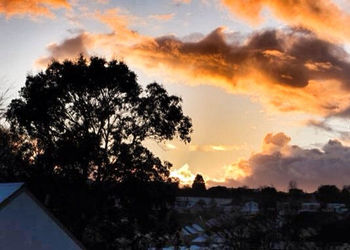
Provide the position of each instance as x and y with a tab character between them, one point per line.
197	227
185	232
200	239
7	189
191	230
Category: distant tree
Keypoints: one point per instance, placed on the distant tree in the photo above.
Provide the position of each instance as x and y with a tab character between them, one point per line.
345	194
292	185
198	183
346	188
268	197
293	190
296	192
219	191
328	193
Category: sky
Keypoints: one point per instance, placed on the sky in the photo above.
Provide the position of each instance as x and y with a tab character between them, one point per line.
266	82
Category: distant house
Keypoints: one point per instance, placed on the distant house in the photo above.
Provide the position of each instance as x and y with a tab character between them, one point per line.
288	208
200	203
310	207
26	224
250	207
336	208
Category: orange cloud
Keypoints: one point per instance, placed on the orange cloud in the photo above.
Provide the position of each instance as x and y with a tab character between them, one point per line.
207	147
237	171
233	173
286	70
184	174
117	20
274	143
31	7
75	46
278	162
216	148
115	43
322	16
272	65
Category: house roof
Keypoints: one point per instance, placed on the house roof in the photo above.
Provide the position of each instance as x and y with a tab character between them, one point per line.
190	230
200	239
197	227
7	189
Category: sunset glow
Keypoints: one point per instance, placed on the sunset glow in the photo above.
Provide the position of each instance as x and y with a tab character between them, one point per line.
266	82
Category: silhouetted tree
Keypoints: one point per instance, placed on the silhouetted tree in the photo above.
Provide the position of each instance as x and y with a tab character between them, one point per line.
90	118
219	191
345	194
294	192
292	185
268	197
15	154
86	121
198	183
328	193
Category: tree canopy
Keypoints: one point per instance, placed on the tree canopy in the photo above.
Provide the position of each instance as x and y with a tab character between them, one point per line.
89	118
198	183
77	133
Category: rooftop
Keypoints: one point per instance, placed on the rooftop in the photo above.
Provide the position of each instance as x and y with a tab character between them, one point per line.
7	189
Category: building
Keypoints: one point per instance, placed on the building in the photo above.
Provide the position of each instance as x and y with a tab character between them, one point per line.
26	224
250	207
310	207
200	203
336	208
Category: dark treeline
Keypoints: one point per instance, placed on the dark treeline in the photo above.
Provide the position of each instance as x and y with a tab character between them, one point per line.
270	196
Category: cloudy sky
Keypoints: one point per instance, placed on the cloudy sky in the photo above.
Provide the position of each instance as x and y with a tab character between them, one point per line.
266	82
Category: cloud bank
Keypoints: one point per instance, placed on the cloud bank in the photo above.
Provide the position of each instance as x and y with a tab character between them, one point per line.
31	7
286	69
323	17
184	174
280	162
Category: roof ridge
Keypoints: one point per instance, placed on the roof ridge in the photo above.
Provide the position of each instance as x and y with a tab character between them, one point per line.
9	188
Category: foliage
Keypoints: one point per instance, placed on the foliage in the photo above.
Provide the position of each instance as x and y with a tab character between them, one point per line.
328	194
3	98
76	138
198	183
15	155
90	118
